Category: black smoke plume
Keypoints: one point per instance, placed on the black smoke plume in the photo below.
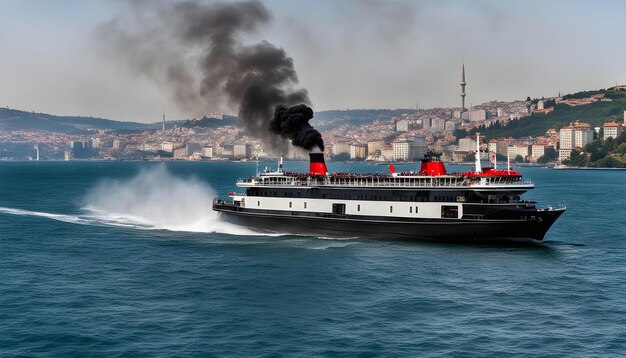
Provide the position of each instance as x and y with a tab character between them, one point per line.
199	51
293	123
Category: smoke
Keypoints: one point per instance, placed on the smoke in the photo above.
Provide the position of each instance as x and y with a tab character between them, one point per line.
200	52
293	123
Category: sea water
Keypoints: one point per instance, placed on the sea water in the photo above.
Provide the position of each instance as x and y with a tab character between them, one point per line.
128	259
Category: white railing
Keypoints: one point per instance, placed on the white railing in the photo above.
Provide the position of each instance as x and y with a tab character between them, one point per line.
385	182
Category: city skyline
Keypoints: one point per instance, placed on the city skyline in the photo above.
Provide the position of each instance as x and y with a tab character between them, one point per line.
54	64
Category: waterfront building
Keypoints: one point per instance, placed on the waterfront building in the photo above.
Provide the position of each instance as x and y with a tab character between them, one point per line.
409	150
375	147
180	153
564	154
358	151
117	144
500	146
537	151
94	143
341	147
207	152
148	147
167	147
518	149
228	152
612	130
241	150
582	137
387	152
567	138
467	145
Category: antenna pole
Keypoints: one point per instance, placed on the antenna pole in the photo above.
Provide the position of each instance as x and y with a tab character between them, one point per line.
478	169
508	158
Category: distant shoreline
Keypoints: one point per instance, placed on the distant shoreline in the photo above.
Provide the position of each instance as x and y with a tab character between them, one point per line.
586	168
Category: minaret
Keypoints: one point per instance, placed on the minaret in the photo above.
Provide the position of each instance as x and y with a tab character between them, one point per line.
463	83
163	120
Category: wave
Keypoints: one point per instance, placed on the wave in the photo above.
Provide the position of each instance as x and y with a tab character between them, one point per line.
154	199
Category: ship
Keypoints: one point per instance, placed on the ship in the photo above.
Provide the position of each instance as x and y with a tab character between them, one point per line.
480	205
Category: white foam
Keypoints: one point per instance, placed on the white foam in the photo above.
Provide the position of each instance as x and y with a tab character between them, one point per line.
74	219
154	199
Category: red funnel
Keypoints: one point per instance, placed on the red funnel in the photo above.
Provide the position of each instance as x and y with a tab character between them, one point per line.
317	165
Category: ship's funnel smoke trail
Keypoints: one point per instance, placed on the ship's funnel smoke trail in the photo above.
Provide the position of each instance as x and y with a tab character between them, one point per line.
200	51
293	123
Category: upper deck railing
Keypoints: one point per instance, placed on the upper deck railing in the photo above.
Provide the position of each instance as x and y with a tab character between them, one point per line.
377	180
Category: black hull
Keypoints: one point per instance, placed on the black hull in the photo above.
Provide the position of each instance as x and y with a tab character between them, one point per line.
446	230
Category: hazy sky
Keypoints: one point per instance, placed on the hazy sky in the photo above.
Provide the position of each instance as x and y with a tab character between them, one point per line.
348	54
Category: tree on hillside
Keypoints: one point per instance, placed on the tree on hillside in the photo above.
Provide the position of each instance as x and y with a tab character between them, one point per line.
596	149
341	157
518	159
469	158
610	162
577	159
459	133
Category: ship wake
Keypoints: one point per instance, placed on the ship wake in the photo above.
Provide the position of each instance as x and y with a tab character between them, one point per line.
154	199
157	199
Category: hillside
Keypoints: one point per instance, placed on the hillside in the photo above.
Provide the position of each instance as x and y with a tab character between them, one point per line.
596	114
326	120
206	122
16	119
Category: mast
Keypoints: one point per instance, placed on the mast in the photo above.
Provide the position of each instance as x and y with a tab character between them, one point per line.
478	168
508	158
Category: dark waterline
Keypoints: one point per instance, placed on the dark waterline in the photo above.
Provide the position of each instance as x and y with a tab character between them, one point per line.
74	283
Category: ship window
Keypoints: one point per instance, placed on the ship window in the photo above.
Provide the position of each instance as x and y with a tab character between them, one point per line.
339	209
358	207
290	204
305	204
448	211
410	210
416	209
391	209
258	203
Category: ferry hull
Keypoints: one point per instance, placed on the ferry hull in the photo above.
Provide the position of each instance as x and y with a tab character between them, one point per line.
446	230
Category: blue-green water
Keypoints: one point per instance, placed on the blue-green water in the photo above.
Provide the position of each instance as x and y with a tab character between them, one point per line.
138	265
